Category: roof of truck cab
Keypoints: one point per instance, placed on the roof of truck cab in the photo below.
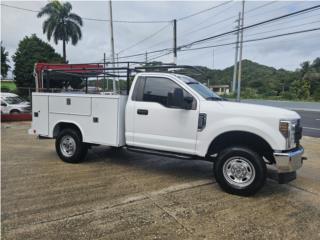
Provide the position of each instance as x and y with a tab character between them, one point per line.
159	74
181	77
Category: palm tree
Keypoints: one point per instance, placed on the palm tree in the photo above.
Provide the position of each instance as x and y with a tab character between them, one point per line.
4	62
61	24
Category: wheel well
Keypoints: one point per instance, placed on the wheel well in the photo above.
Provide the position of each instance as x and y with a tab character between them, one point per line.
240	138
63	125
14	110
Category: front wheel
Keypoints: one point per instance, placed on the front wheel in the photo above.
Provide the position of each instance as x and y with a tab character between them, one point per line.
69	146
240	171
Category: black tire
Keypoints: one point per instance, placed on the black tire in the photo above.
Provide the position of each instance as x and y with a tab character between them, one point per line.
240	171
79	149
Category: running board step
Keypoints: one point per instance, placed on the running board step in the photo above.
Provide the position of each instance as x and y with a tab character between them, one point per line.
161	153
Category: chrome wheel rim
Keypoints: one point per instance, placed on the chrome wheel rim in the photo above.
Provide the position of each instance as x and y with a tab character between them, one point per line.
68	146
239	172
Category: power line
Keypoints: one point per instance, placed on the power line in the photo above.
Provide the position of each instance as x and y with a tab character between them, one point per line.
226	38
20	8
145	39
142	54
273	10
226	19
186	32
252	25
284	21
283	28
229	37
253	40
89	19
261	6
159	56
245	41
233	31
202	11
205	20
125	21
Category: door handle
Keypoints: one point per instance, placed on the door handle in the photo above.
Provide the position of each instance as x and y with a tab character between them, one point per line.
142	111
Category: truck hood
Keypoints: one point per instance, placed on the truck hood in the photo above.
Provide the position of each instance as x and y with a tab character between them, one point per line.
254	110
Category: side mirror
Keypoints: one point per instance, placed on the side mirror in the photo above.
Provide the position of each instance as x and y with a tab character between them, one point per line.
178	100
3	104
188	102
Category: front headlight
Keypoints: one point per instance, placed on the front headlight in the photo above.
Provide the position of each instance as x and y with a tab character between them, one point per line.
287	129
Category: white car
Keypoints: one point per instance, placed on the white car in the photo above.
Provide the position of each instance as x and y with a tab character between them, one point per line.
13	104
176	116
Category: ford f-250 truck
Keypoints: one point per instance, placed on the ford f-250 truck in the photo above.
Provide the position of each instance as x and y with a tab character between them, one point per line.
176	116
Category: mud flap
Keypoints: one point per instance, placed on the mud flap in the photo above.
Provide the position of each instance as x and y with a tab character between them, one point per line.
282	178
286	177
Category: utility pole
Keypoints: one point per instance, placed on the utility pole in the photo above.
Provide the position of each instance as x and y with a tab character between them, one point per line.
104	72
235	68
112	43
212	67
146	60
241	46
175	41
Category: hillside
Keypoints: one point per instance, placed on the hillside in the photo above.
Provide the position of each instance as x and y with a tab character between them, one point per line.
263	79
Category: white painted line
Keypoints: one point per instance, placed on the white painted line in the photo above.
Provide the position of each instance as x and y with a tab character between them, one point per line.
318	129
317	119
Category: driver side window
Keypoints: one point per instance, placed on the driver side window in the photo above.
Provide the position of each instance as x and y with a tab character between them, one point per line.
161	90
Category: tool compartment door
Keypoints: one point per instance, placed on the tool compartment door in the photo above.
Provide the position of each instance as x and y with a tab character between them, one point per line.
40	115
104	121
75	105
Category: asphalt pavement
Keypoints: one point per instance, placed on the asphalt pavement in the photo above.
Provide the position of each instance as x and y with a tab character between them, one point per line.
310	122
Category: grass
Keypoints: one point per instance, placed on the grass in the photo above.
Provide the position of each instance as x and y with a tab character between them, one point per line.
9	85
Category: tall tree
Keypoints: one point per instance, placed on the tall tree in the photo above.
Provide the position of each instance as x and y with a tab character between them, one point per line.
4	62
31	50
61	24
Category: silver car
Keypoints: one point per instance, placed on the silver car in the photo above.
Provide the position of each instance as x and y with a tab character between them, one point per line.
13	104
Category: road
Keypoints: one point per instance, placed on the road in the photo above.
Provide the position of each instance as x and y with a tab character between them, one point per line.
311	123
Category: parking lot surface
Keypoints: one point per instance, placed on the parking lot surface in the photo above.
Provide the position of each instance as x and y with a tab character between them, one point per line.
117	194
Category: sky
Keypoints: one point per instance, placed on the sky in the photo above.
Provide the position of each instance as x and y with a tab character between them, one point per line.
283	52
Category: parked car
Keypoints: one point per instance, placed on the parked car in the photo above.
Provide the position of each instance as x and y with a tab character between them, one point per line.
13	104
176	116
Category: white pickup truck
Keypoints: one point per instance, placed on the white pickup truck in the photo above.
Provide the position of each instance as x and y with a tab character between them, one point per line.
175	115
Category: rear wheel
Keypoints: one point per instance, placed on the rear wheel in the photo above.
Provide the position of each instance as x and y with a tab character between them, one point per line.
69	146
240	171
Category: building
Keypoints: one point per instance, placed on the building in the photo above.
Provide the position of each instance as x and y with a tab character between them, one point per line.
220	89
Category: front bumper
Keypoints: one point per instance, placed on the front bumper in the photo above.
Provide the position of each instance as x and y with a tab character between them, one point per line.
289	161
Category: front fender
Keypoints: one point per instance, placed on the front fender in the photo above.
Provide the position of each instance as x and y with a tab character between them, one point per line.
215	128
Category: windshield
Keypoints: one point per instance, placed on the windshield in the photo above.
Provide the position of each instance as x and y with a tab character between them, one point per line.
14	100
200	88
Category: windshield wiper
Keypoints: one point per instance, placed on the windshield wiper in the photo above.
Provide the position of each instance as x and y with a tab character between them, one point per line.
215	98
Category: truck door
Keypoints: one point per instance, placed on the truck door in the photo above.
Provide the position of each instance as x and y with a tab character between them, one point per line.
159	125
